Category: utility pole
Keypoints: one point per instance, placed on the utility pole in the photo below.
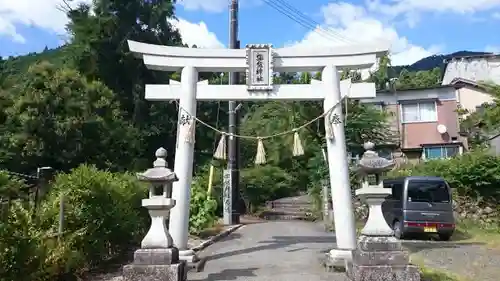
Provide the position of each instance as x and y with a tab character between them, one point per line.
233	155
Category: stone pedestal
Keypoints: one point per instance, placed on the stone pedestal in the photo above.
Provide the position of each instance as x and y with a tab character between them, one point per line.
156	265
375	224
381	258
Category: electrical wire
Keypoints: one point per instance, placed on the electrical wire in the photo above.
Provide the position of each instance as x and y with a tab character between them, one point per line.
296	15
315	23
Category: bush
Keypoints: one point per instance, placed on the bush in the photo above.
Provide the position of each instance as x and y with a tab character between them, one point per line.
265	183
103	217
475	178
257	185
203	209
22	255
11	187
475	174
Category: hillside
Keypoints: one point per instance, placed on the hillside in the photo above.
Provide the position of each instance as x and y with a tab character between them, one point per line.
20	64
13	66
434	61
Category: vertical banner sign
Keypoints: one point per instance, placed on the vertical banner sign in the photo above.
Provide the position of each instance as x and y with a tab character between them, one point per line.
226	196
260	67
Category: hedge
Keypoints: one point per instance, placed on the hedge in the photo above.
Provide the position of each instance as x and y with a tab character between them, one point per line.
475	174
103	219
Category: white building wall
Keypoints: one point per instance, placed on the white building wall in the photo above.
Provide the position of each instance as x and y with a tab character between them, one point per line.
475	69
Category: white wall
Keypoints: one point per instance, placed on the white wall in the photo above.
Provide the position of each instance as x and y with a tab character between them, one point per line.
475	69
469	98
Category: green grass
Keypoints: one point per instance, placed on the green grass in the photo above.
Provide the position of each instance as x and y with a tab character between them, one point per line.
466	232
433	274
470	232
429	274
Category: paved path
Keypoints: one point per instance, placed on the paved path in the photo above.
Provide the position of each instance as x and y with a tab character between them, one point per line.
269	251
291	250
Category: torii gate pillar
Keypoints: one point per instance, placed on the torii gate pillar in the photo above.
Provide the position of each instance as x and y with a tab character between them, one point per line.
259	78
183	163
338	167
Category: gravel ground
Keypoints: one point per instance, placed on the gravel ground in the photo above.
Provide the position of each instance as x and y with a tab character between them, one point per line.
269	251
471	261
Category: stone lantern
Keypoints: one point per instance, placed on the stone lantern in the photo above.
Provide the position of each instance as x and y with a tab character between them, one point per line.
157	259
373	194
379	255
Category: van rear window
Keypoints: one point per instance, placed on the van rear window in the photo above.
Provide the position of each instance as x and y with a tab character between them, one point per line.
428	191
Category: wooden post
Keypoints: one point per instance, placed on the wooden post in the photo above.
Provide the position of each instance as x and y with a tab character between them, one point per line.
210	181
61	218
326	202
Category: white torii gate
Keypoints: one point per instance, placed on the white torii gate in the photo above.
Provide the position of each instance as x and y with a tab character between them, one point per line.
260	62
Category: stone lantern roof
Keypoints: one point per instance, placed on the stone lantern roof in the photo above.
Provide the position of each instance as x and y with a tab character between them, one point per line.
372	163
160	172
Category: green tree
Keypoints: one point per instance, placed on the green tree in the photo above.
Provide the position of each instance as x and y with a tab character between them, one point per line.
381	76
481	124
362	123
100	51
61	119
419	79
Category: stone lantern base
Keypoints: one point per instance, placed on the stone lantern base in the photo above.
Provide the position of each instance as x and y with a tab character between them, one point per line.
156	265
381	259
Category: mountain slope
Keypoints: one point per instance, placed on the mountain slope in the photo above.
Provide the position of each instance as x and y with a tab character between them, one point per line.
20	64
434	61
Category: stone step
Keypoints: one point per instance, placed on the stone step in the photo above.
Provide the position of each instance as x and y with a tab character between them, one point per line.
275	205
278	215
284	217
291	209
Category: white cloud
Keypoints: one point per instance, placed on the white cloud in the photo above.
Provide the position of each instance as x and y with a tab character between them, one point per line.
196	34
347	23
214	6
411	8
47	15
43	14
7	27
492	49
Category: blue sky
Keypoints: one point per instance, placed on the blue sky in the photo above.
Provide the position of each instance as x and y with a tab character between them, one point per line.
415	28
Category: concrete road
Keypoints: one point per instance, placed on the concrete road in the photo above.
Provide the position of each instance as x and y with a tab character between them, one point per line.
270	251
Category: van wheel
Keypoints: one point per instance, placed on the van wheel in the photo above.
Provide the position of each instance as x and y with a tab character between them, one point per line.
444	236
398	230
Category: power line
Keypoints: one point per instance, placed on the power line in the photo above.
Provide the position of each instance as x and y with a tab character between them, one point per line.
294	14
306	18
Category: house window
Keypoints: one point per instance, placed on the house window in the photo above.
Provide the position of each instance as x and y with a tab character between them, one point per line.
437	152
419	112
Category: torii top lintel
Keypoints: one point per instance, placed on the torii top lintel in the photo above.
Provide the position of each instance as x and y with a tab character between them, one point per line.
167	58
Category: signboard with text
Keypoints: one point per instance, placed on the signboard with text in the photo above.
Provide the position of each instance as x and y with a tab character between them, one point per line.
259	67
